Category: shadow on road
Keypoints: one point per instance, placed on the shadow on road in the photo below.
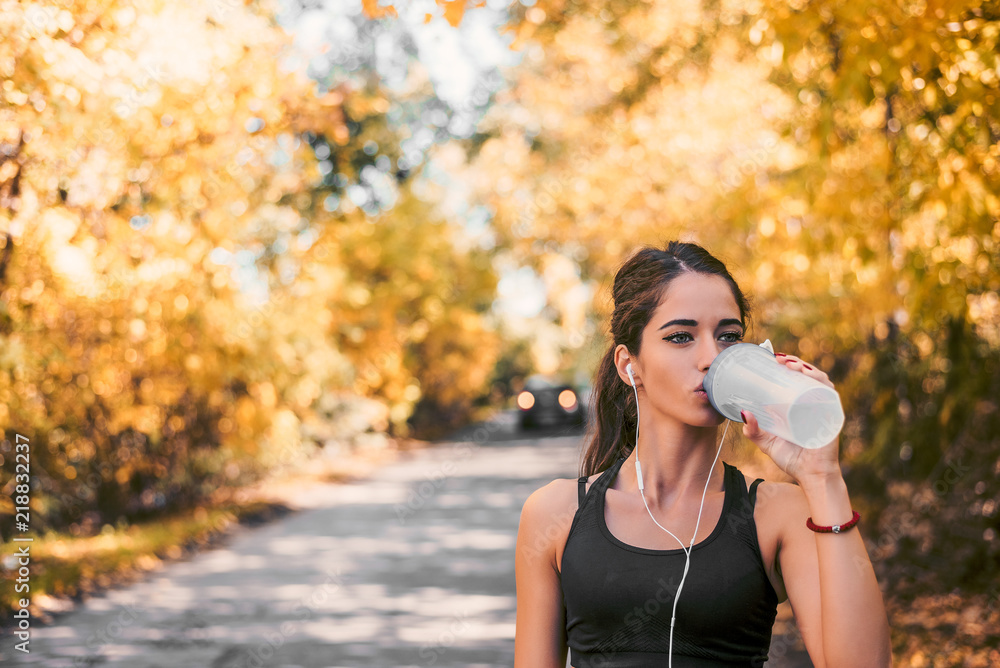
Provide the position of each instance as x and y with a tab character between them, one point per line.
411	566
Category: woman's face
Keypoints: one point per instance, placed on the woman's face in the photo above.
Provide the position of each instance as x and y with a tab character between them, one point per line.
696	320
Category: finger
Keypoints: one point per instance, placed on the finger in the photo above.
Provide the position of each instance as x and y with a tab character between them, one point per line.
813	372
751	428
796	364
789	361
785	358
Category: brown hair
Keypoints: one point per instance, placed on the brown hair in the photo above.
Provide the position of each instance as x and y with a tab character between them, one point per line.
638	289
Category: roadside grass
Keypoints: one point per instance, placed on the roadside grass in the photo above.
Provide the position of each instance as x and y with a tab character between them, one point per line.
65	568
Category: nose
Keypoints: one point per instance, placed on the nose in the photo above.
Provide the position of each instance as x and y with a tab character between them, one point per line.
708	350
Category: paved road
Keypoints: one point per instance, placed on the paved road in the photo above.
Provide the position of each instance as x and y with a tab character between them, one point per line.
413	567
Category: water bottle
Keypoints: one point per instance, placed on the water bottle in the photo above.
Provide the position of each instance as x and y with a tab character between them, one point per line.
786	403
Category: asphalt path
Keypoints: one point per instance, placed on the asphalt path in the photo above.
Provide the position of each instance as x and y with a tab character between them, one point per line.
410	567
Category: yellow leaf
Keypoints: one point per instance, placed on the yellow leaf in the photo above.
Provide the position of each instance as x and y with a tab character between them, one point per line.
453	11
373	10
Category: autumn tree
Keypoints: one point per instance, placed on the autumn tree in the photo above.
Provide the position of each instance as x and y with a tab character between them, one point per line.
205	253
843	158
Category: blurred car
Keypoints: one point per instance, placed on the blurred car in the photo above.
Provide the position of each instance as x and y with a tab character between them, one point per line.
546	402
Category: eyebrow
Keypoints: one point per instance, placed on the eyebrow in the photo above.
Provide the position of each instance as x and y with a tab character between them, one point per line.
694	323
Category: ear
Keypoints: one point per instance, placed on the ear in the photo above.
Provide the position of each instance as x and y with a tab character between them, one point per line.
622	359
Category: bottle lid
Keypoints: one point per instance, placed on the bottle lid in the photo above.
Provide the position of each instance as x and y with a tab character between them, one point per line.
721	361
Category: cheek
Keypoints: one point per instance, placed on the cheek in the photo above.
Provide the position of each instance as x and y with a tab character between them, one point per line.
663	375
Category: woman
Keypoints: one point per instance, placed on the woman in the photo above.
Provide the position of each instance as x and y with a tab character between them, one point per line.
600	559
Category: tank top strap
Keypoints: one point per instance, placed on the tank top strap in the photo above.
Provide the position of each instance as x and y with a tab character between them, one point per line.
741	521
736	484
753	491
732	481
602	482
583	494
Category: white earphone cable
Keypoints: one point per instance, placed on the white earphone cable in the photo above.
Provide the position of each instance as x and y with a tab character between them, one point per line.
687	550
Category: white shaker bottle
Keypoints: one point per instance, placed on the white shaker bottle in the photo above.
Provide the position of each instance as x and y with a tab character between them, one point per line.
786	403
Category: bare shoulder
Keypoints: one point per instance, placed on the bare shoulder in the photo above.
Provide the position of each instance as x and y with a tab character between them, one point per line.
549	503
779	507
546	518
780	497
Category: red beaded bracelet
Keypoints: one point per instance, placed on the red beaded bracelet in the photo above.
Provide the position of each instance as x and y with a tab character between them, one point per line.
836	528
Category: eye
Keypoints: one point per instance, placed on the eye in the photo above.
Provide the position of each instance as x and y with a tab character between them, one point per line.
685	337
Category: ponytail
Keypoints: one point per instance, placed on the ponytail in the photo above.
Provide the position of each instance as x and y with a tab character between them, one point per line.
614	418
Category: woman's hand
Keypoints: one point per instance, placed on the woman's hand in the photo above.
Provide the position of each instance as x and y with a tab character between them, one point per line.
829	578
803	464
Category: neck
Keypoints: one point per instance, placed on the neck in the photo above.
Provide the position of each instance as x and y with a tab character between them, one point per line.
676	461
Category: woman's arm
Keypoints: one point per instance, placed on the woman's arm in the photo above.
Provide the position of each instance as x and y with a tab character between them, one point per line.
540	635
829	577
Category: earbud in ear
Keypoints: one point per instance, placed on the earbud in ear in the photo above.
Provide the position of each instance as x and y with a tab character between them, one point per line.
628	370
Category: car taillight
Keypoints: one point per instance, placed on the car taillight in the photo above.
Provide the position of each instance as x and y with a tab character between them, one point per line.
567	399
525	400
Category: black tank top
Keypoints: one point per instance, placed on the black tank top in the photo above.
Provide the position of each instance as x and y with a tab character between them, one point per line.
618	597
